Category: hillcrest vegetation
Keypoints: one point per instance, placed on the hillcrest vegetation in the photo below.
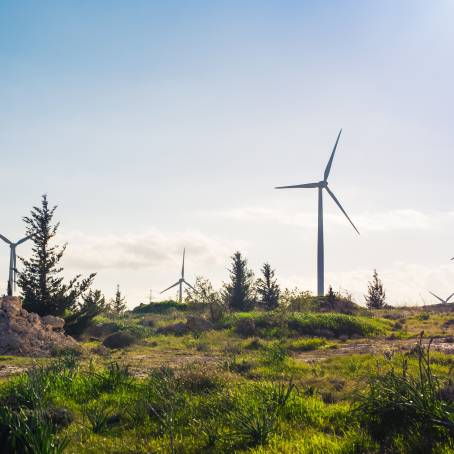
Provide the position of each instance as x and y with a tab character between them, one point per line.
247	367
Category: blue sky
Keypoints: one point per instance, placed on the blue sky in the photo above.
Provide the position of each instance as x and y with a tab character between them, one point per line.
159	125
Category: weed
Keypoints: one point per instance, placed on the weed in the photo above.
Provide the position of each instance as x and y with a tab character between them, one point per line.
98	416
406	407
276	354
29	431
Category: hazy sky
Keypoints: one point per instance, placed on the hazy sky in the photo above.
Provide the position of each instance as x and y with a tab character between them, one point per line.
158	125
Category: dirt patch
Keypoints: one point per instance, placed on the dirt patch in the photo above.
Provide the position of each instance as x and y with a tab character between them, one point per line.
374	346
7	371
139	365
24	333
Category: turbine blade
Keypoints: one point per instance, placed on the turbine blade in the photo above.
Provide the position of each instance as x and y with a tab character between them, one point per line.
307	185
341	208
172	286
189	285
182	268
449	297
438	298
23	240
5	239
330	162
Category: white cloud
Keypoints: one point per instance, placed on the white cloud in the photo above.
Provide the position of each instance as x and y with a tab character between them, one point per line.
394	220
144	250
405	283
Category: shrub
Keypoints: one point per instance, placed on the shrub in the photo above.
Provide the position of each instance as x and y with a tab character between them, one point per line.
177	329
306	345
119	340
159	308
29	431
255	419
276	354
98	416
399	405
246	327
198	380
109	379
339	324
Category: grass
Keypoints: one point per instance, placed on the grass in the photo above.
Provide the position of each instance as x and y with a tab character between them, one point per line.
409	411
309	323
298	386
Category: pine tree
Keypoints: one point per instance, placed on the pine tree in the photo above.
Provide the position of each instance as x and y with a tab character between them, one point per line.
331	297
118	304
239	292
43	289
375	298
268	289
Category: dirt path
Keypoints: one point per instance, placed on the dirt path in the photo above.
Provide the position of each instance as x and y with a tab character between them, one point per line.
139	364
367	346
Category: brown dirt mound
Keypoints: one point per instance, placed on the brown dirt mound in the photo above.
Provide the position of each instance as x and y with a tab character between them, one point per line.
27	334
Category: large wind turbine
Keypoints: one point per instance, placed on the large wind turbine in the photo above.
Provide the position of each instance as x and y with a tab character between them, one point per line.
441	299
12	262
323	184
180	282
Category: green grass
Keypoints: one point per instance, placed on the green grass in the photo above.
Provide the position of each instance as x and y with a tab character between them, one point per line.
275	324
283	390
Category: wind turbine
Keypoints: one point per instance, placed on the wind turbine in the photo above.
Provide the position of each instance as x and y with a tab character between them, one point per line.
180	282
12	262
323	184
441	299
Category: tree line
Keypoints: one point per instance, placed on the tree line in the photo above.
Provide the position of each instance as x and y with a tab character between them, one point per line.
44	290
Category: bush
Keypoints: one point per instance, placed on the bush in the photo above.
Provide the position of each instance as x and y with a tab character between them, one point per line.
339	324
255	419
246	327
28	431
408	408
162	307
306	345
98	416
198	380
119	340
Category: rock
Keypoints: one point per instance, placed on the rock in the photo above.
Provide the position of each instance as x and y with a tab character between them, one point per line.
27	334
177	329
119	340
101	330
100	350
246	327
60	417
55	323
198	324
148	322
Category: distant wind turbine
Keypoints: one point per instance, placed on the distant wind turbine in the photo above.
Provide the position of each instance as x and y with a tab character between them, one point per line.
12	262
441	299
180	282
323	184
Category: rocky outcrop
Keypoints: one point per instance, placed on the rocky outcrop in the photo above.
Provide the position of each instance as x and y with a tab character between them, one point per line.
28	334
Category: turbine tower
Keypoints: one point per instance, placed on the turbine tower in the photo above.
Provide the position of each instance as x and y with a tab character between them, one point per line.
12	262
180	282
323	184
441	299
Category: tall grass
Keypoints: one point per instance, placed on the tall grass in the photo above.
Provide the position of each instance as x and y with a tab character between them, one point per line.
407	408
